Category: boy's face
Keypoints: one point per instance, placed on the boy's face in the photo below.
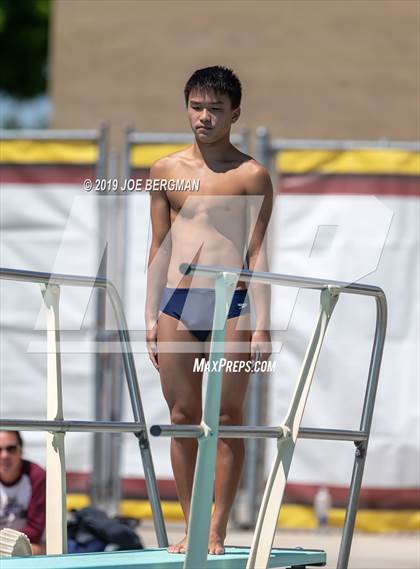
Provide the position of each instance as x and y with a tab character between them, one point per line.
210	115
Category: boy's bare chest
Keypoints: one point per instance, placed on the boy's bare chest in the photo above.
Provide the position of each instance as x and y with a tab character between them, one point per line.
216	192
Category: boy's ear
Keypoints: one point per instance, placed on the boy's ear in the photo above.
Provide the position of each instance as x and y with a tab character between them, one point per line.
236	113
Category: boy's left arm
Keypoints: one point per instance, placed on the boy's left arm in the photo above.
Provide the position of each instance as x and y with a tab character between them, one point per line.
259	186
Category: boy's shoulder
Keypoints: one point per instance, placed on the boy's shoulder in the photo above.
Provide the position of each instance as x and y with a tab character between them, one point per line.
247	163
251	165
256	175
247	166
167	162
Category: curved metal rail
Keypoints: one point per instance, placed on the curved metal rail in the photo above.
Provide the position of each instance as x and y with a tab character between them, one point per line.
56	426
207	433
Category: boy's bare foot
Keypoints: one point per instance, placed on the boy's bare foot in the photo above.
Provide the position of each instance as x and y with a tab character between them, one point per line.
216	546
216	541
180	547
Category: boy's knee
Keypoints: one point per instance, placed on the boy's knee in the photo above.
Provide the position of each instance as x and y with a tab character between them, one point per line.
231	417
183	416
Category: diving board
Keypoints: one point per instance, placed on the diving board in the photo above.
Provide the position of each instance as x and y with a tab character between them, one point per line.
234	558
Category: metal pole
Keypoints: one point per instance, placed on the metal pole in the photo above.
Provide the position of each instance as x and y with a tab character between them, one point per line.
98	486
171	138
255	460
130	371
242	274
251	466
41	134
365	426
262	146
126	153
101	165
262	541
115	394
56	520
382	144
63	426
244	145
97	480
137	407
179	431
281	279
251	432
202	493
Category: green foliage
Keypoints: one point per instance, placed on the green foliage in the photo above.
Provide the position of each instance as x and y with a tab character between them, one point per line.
24	47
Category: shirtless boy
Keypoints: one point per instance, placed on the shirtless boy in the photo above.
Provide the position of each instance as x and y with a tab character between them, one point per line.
223	223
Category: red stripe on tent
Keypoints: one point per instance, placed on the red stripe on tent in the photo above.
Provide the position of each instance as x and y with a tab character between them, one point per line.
80	482
139	173
290	185
318	184
350	185
382	498
46	174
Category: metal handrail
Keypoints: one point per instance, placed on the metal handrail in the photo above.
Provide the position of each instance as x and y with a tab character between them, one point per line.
44	134
381	144
333	288
285	280
373	375
266	148
173	137
65	426
51	279
289	430
256	432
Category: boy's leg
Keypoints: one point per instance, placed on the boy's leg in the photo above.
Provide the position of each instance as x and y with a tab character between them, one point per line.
181	388
230	452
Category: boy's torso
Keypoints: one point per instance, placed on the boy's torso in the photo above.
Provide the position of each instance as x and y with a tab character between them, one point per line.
208	226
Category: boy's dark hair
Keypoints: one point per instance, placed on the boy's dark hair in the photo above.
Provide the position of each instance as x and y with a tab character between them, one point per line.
217	78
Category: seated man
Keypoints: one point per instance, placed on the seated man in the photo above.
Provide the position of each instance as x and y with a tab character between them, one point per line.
22	491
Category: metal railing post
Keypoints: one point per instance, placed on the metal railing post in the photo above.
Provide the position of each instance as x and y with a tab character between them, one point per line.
253	467
139	427
279	145
365	425
56	526
114	385
97	478
262	146
317	144
273	496
137	407
202	493
244	145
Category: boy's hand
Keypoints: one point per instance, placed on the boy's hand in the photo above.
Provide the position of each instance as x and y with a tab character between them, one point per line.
260	345
151	341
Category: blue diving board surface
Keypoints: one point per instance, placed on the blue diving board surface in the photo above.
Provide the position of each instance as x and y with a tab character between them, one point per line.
234	558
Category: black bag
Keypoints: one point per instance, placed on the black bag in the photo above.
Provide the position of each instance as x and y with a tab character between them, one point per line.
91	524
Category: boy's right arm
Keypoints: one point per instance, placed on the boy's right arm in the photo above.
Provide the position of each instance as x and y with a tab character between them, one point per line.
159	258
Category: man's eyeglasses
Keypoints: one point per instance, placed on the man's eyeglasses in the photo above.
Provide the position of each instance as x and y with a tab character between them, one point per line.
11	449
